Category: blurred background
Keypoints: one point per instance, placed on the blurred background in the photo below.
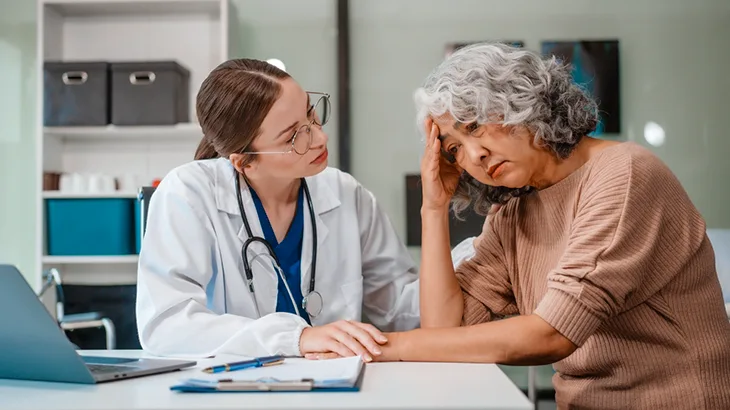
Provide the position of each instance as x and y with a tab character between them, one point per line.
658	66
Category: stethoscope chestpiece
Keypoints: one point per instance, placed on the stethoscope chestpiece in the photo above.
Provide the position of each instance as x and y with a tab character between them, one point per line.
313	303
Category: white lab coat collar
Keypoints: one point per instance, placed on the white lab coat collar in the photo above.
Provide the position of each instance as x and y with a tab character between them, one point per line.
323	199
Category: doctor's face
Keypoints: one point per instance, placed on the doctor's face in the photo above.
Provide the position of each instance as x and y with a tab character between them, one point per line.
292	143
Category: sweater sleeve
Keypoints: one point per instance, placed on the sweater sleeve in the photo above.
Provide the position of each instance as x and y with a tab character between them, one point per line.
634	230
485	282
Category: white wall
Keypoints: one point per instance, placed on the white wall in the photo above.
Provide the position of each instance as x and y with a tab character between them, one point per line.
17	134
674	61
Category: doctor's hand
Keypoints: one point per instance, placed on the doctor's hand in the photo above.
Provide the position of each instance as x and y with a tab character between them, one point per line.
341	339
438	176
391	351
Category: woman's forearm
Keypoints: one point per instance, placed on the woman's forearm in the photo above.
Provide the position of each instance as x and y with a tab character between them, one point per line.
521	340
442	303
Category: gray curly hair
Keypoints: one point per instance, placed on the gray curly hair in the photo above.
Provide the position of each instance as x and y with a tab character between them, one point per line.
496	83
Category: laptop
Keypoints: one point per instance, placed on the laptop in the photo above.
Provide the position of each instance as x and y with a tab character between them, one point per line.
34	347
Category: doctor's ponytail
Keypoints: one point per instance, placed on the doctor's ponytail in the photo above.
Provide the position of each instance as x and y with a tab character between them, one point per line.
205	150
232	103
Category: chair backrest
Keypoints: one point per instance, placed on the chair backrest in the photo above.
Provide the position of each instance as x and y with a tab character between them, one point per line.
52	278
145	195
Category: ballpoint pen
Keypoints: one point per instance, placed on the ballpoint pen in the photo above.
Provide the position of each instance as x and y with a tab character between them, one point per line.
246	364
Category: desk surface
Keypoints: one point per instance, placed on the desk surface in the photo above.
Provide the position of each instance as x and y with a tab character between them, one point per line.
385	385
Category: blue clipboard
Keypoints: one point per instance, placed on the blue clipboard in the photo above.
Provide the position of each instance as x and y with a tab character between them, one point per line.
268	386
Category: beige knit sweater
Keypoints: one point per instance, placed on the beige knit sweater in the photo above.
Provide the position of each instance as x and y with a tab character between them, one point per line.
615	257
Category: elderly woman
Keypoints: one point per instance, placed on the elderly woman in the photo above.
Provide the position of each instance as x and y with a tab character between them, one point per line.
596	260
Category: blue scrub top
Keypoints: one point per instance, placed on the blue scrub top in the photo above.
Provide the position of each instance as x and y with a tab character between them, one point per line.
289	252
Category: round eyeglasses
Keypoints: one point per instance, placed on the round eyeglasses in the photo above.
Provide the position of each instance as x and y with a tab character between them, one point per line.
318	115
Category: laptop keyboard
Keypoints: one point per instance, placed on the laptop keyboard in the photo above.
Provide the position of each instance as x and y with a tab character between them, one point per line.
106	368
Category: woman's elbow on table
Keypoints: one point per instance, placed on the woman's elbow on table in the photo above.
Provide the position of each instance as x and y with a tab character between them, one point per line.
541	344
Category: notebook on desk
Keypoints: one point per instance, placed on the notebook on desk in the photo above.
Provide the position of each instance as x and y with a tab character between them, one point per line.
295	374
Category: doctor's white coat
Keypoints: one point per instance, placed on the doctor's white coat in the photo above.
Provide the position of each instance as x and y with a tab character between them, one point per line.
193	300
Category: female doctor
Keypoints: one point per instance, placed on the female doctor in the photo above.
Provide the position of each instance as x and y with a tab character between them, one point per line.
257	247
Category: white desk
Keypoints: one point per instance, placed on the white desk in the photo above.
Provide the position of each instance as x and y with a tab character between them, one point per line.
385	386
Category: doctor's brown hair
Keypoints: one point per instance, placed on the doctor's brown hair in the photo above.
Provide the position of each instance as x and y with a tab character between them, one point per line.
232	103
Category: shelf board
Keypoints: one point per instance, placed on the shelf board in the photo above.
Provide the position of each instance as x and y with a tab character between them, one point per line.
116	133
75	195
86	8
74	260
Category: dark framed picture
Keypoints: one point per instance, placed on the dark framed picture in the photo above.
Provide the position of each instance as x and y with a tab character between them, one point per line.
595	66
451	47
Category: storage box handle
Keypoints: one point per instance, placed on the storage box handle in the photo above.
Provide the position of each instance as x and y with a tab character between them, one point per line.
142	77
74	77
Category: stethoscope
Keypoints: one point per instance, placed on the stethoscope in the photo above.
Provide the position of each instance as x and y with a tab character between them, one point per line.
312	302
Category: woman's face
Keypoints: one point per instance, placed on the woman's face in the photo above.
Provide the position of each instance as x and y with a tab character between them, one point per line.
291	113
493	154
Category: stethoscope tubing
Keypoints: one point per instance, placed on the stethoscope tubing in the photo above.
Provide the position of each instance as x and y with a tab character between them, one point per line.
248	272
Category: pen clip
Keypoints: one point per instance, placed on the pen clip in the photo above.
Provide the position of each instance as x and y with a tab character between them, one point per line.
274	363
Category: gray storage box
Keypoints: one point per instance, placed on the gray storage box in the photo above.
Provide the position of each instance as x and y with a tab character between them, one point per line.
75	93
149	93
